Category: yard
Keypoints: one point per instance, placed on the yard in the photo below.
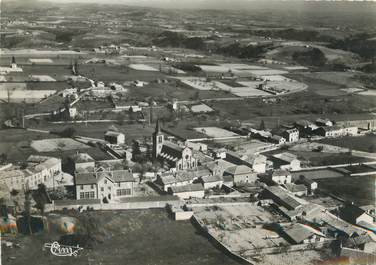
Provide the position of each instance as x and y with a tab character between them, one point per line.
136	237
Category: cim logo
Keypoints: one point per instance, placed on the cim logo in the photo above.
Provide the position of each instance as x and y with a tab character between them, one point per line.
62	250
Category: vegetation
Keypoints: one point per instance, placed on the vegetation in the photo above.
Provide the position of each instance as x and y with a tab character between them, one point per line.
313	56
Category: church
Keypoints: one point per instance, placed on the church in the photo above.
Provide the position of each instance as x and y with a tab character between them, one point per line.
175	156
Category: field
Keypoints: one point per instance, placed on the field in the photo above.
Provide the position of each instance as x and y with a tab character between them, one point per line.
127	237
215	132
52	145
366	143
360	190
142	67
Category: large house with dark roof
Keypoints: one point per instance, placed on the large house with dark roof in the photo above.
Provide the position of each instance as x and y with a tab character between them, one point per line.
174	155
104	185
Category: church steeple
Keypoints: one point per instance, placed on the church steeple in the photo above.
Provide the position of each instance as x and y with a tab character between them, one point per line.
157	127
158	140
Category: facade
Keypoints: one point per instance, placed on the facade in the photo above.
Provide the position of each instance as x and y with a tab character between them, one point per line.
188	191
179	157
104	185
337	131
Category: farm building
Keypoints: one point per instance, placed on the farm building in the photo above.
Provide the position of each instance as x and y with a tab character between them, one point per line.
354	214
302	234
285	161
211	181
280	176
241	174
80	162
188	191
114	137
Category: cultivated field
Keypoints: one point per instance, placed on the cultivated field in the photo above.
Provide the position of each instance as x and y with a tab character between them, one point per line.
215	132
52	145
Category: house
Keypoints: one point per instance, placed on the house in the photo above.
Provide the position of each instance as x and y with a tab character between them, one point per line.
280	176
291	135
211	181
80	162
324	122
241	174
258	163
188	191
296	189
197	146
114	137
104	185
355	215
309	183
337	131
278	139
174	179
176	156
306	127
39	170
285	161
219	166
302	234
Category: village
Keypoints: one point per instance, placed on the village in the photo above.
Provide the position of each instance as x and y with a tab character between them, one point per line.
262	158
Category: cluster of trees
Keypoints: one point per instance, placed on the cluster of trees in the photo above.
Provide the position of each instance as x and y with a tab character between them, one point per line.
175	39
311	56
361	44
246	52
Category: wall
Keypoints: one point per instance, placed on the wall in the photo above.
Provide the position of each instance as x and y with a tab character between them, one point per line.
115	206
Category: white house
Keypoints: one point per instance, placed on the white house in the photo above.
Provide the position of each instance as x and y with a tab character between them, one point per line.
285	161
280	176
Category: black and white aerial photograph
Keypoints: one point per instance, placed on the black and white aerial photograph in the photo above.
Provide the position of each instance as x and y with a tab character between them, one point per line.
187	132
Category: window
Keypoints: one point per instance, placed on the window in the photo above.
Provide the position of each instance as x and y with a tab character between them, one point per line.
92	195
82	195
102	188
92	186
82	187
160	139
105	181
123	192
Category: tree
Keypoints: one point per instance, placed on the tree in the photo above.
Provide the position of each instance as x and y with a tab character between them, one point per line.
136	152
262	125
69	132
27	211
41	202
